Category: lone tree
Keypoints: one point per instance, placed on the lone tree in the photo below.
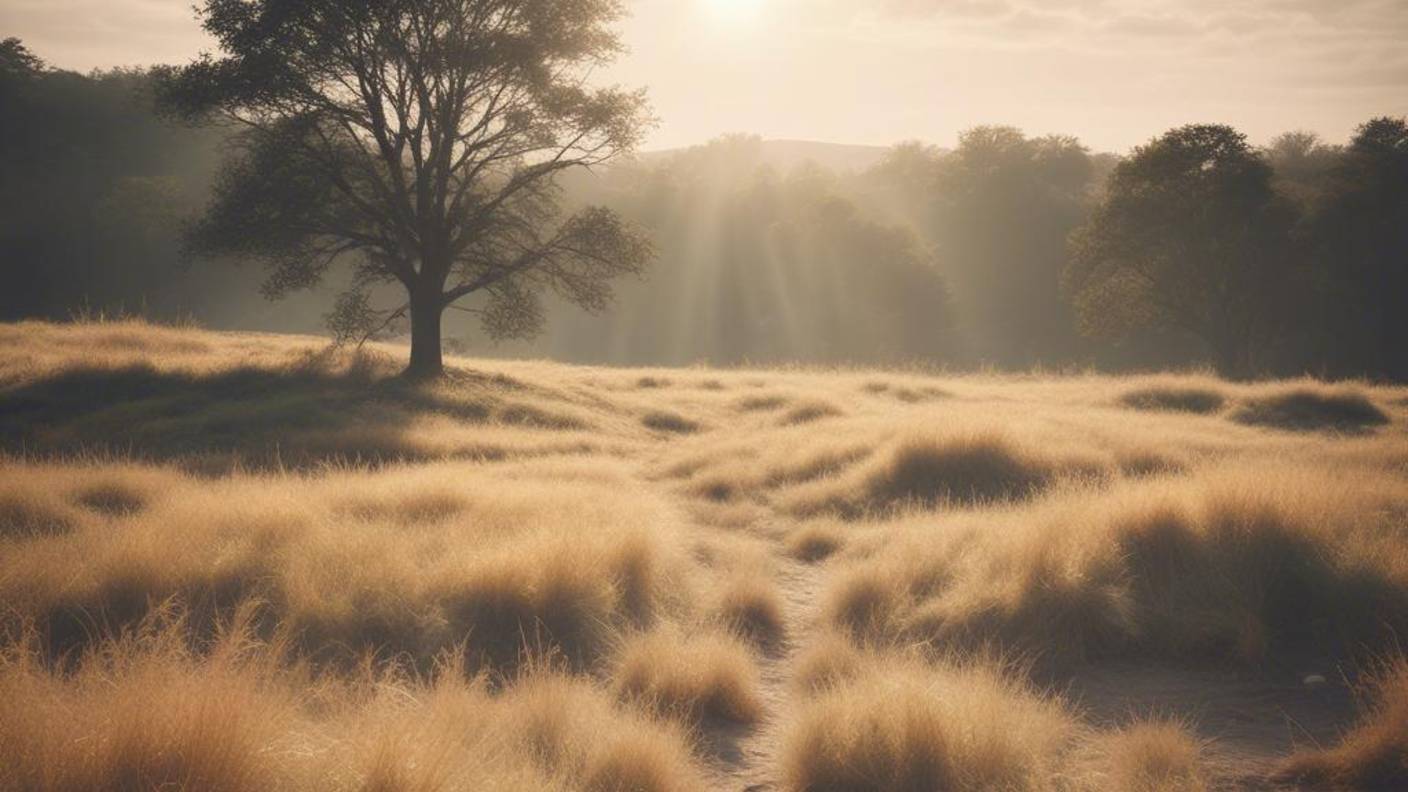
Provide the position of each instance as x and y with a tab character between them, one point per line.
418	142
1190	237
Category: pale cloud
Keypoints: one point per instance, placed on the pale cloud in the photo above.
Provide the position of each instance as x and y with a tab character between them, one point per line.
88	34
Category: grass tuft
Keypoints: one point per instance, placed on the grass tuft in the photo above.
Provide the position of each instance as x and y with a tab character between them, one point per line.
749	606
815	541
702	675
1153	756
899	725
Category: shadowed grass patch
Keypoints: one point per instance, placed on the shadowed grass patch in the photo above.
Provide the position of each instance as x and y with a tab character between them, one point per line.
815	541
665	421
1308	409
1173	399
25	515
810	411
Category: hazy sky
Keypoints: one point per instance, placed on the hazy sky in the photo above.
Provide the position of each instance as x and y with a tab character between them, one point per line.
1113	72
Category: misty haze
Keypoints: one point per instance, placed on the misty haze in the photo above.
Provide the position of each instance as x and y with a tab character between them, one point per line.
673	395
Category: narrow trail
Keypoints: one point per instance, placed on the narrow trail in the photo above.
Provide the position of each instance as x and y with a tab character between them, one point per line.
754	763
744	758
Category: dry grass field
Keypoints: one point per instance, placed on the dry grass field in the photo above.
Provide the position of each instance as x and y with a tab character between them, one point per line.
242	562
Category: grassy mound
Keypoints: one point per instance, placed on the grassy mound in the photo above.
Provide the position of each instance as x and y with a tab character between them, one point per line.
1174	399
690	677
929	471
1310	409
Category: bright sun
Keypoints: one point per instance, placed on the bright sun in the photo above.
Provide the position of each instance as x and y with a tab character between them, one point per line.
735	9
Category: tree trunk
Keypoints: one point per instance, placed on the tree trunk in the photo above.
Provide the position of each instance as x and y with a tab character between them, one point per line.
427	362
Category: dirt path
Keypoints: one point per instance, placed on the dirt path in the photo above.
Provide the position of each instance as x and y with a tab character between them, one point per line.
1251	721
754	762
744	757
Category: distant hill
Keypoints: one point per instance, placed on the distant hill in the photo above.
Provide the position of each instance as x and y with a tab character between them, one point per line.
787	154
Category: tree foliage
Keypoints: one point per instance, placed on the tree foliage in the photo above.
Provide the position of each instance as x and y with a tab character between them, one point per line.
996	211
1359	239
92	188
1190	236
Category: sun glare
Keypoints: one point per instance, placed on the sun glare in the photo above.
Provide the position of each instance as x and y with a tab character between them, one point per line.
734	10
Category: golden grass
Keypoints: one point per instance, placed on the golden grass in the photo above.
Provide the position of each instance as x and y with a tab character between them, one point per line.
749	605
538	576
214	403
414	559
1156	755
1229	563
144	711
879	719
897	724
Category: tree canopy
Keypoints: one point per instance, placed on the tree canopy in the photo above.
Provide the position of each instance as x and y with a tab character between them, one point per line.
1190	236
1359	239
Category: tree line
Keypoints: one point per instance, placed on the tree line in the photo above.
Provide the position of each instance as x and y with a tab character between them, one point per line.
1007	250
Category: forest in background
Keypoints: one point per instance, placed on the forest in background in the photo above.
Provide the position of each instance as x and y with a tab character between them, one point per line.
956	257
